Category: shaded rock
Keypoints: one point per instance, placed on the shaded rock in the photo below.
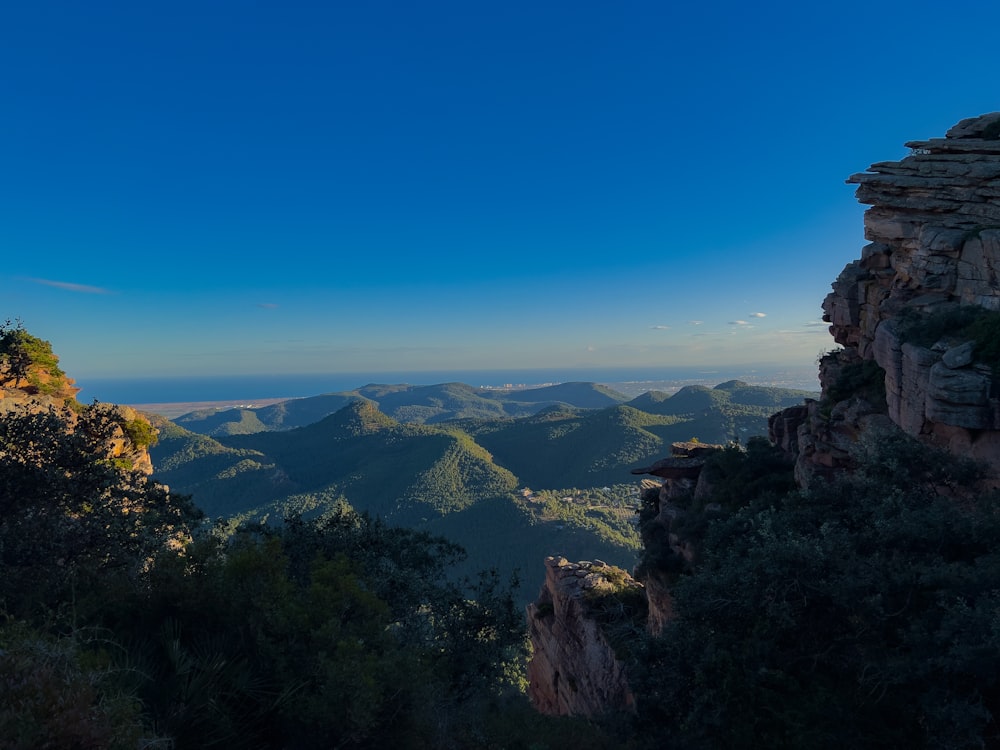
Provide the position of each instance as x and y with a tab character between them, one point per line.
959	356
983	126
573	668
933	229
682	470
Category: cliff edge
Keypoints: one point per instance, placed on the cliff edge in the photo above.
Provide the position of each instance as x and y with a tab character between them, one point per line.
918	314
574	669
32	381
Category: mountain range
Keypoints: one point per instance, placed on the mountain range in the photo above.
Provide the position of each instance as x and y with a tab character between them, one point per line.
508	475
425	404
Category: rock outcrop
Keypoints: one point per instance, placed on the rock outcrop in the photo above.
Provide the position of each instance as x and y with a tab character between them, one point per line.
681	470
31	380
934	234
574	670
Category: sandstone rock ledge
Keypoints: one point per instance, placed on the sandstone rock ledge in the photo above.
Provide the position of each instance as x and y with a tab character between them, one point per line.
573	670
934	231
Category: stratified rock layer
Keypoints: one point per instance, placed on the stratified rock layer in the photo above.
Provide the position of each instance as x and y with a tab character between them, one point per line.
934	233
573	670
934	229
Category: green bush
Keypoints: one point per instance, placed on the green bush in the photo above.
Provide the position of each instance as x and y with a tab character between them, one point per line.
862	612
864	378
141	432
27	357
56	694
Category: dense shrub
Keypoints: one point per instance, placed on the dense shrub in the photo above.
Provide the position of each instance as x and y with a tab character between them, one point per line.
28	358
859	613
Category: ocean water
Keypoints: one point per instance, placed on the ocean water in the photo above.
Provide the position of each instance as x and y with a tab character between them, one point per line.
631	381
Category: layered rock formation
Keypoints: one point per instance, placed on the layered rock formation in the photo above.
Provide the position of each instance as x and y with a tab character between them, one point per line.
934	233
681	470
574	670
682	477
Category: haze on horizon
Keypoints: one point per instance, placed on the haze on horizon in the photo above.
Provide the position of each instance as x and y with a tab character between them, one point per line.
305	187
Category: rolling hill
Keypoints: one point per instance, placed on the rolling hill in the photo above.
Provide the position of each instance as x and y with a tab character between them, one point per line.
462	477
425	404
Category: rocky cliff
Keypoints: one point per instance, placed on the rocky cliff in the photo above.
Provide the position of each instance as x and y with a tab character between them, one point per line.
916	313
31	380
918	320
574	670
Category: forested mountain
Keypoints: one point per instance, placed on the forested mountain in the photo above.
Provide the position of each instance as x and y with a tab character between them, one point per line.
465	475
408	471
406	403
128	620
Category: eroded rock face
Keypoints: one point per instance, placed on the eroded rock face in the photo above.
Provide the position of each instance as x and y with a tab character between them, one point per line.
573	670
934	229
934	233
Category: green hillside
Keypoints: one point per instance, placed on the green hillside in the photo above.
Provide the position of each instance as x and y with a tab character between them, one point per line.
726	397
401	472
408	472
465	478
227	422
730	411
516	535
425	404
575	448
581	395
223	480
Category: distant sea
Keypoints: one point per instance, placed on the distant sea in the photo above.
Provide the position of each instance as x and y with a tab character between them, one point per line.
630	381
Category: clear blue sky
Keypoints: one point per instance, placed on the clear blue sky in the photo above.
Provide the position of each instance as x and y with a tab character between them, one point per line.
291	187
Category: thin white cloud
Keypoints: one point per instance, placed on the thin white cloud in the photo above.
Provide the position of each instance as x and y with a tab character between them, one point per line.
591	348
758	315
71	287
738	323
696	322
660	328
814	323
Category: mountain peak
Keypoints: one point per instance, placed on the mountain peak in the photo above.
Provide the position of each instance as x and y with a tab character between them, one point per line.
360	417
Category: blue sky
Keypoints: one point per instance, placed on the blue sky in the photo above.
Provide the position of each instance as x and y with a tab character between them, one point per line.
262	187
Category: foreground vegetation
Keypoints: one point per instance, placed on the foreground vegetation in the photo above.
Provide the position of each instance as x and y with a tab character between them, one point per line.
458	476
859	612
126	622
862	612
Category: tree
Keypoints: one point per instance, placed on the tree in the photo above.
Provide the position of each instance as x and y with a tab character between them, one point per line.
14	357
24	357
862	612
72	506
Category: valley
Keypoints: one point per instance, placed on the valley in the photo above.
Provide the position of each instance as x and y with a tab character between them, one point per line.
511	476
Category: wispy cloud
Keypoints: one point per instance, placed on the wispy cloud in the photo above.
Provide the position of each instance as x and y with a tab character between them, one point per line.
660	328
696	322
71	287
758	315
268	305
814	323
738	323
